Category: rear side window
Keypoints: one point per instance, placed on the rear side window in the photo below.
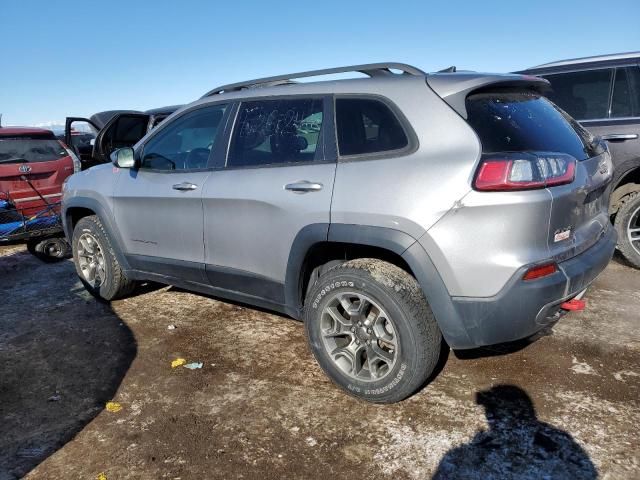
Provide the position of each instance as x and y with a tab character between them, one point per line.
525	122
270	132
367	126
625	101
583	95
24	149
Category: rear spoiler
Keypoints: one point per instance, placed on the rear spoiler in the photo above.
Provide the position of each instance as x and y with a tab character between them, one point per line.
454	88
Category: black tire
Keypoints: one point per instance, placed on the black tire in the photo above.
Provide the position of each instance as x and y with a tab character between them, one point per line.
31	246
115	284
49	250
417	334
628	210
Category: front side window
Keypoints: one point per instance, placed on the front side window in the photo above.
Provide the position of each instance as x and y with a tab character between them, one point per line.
269	132
625	101
583	95
367	126
186	143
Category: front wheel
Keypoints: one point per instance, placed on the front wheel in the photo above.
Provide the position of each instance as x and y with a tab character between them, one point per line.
96	263
371	330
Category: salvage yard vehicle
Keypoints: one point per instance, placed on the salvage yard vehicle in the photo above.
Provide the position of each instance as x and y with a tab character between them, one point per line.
603	94
386	212
33	167
119	128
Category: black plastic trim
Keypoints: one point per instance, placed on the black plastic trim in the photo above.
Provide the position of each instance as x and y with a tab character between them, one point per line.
245	283
303	242
382	237
207	289
188	271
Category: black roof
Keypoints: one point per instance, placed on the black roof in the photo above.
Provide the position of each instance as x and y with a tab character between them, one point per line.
102	118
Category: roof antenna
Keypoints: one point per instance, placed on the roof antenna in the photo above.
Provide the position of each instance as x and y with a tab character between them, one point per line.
451	69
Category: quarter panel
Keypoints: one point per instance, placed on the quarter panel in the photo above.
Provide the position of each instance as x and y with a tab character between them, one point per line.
412	192
487	237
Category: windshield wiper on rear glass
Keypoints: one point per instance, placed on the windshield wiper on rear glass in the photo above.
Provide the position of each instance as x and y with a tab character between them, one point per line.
13	160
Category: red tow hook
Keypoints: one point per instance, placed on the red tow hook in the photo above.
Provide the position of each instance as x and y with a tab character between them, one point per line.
574	305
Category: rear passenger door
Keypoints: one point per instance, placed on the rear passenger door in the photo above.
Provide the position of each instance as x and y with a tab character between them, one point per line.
277	179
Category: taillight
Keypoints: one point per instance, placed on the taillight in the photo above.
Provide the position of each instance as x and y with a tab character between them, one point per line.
524	171
540	271
77	166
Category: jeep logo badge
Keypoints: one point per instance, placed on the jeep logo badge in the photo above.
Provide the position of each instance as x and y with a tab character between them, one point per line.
24	169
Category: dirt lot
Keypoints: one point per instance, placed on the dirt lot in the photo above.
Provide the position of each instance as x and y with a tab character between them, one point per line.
261	408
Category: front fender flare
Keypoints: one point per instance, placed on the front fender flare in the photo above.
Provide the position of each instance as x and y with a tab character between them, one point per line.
105	218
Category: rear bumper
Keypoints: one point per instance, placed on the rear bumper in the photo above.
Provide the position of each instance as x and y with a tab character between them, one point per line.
521	308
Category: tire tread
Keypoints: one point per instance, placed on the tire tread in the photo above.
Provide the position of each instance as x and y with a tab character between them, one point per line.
628	205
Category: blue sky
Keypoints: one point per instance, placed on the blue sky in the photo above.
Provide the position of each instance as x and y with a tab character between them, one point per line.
73	58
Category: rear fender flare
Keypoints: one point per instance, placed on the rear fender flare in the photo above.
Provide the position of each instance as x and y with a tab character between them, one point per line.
400	243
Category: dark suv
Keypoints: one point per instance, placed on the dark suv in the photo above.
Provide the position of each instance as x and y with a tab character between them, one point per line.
603	94
113	129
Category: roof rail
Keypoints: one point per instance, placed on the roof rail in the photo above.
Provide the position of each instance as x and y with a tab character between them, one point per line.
596	58
370	69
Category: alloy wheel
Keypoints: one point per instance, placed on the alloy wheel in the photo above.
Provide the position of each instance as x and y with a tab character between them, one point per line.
359	336
633	230
91	260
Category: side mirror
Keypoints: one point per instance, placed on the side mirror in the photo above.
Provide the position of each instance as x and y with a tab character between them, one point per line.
123	157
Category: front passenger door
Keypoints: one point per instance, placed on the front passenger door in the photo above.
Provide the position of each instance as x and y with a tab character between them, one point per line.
158	206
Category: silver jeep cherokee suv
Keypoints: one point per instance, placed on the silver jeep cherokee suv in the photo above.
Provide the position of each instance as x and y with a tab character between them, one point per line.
386	212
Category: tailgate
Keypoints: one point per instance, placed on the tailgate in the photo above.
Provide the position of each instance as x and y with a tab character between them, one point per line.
44	180
579	211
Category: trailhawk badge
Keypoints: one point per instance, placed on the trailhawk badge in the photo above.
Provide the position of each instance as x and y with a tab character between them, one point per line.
562	234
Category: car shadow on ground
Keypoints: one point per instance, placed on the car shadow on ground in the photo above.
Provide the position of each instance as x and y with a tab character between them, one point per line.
516	444
63	355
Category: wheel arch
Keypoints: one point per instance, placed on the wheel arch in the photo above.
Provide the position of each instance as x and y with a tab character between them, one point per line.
317	244
626	181
320	243
78	208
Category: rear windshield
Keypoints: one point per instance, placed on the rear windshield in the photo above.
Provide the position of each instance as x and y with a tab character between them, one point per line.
526	121
24	149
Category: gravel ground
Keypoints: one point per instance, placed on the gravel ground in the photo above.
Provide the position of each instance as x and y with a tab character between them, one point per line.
564	406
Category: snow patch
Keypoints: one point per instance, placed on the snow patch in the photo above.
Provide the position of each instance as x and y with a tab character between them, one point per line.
582	367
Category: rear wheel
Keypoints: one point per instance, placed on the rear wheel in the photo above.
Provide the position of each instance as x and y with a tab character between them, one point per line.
627	225
371	330
96	263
